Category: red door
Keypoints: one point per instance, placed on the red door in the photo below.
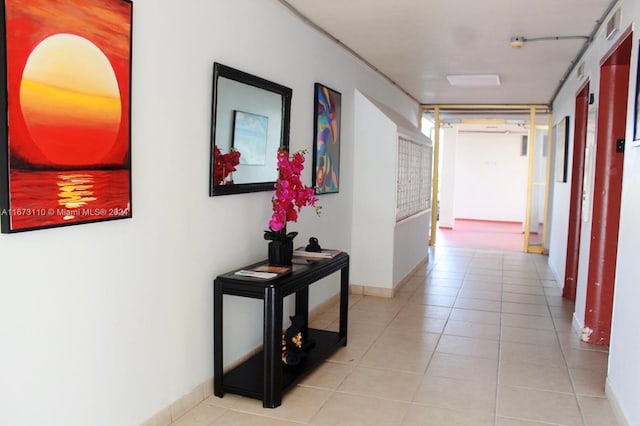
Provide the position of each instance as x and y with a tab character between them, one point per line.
612	120
575	206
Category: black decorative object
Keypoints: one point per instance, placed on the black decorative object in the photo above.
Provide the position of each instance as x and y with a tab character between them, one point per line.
313	245
293	342
280	253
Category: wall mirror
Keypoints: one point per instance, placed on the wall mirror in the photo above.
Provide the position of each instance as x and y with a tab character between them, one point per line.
250	121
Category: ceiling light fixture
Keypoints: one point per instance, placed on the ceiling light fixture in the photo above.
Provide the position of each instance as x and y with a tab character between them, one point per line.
474	80
518	41
515	121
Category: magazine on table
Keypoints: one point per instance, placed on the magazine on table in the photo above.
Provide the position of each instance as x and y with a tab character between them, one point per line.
301	253
264	272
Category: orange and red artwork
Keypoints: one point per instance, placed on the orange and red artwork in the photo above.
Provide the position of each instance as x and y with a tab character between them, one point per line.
66	128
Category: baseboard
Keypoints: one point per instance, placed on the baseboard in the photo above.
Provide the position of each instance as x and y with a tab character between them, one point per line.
182	405
559	280
204	390
419	266
315	312
358	290
577	325
366	290
510	222
615	405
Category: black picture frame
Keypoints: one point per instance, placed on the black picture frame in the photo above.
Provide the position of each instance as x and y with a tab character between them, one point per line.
49	176
222	115
562	149
325	176
636	121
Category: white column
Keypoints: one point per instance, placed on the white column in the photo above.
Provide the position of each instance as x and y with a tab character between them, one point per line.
448	145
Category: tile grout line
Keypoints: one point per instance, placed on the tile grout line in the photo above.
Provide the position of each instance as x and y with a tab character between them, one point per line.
562	349
497	394
439	334
469	269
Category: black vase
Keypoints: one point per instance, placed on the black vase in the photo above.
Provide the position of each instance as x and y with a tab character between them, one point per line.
281	253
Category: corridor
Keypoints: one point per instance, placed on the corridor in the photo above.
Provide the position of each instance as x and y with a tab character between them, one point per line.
474	338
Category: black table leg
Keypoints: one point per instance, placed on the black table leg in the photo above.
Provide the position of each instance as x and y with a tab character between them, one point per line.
344	302
302	308
217	339
272	396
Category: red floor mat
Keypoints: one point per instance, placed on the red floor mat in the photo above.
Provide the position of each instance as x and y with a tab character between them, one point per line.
481	234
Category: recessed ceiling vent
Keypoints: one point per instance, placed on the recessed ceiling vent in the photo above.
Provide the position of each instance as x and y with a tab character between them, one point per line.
580	71
474	80
613	24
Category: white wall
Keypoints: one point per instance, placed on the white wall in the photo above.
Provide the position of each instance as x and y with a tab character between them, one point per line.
623	373
384	252
538	192
411	235
448	147
410	245
108	323
490	177
374	200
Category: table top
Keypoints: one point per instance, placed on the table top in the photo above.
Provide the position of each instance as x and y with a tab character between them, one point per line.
302	273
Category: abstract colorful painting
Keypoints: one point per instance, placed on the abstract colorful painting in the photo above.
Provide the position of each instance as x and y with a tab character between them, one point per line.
326	145
66	156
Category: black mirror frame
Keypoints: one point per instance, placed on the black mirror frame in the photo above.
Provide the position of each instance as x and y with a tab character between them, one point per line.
220	70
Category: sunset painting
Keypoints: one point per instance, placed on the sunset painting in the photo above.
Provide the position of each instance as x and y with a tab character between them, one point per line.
66	129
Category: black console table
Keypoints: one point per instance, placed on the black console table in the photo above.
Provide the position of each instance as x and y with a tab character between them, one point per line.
263	376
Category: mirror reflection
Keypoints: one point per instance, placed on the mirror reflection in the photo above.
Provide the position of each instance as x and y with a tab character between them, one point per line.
250	122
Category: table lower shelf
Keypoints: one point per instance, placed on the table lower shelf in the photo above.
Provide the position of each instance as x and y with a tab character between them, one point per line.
247	378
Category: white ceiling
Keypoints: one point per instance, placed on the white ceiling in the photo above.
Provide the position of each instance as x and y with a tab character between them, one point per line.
417	43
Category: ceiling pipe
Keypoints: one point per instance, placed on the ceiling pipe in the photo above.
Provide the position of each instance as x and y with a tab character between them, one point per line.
519	41
324	32
582	51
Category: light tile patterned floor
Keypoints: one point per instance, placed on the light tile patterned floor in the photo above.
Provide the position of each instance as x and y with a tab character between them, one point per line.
477	338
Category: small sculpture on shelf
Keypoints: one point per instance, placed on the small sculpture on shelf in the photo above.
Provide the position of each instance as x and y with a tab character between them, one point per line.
295	344
313	245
